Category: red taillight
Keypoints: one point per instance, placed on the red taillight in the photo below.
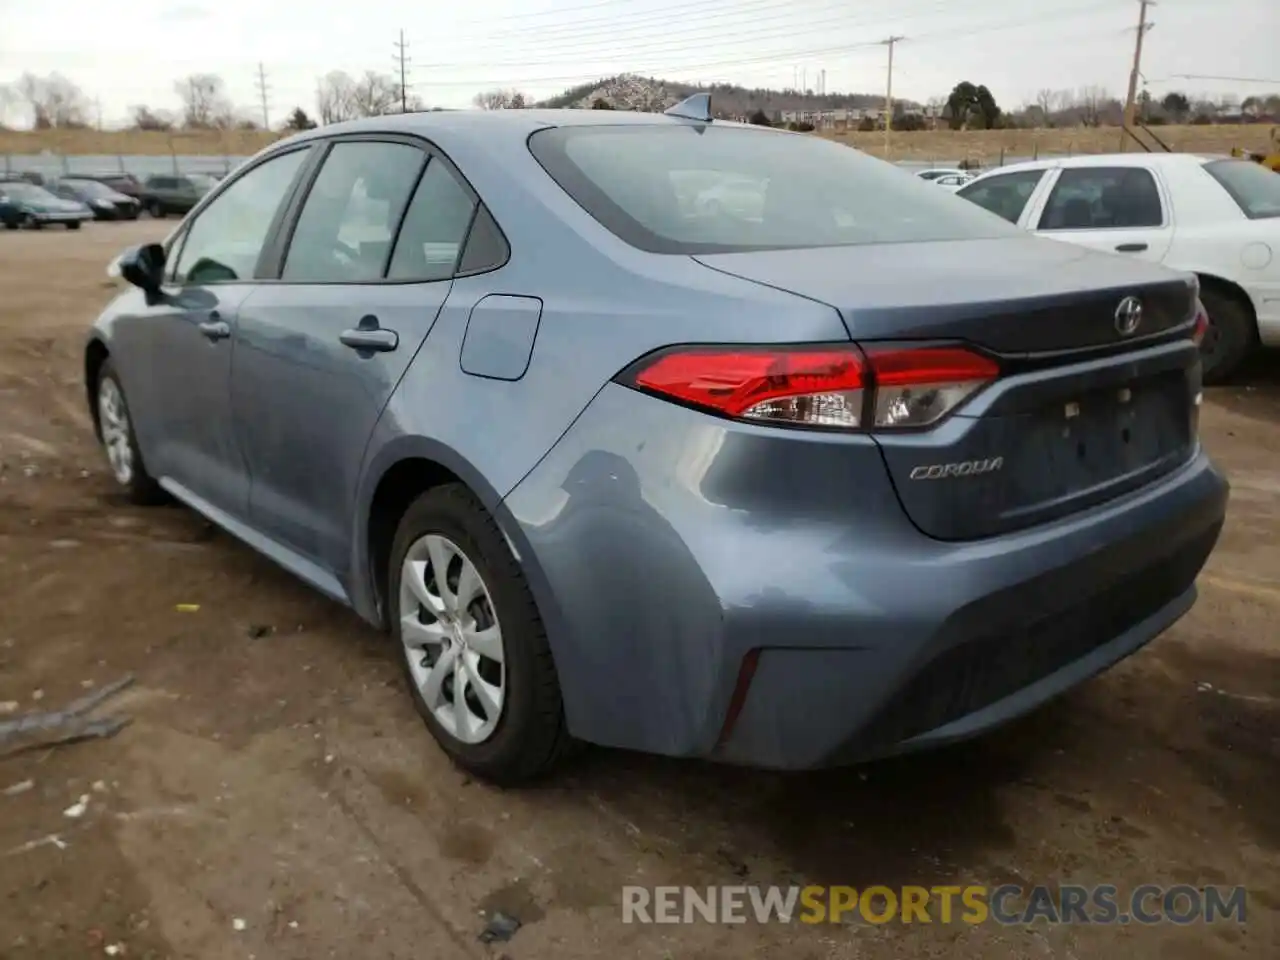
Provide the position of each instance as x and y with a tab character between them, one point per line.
836	386
1202	324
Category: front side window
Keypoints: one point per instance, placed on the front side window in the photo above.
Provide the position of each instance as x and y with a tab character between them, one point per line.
435	226
1004	194
347	224
1103	198
1254	188
224	242
685	188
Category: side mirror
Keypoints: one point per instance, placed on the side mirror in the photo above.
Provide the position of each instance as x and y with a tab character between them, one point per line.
143	266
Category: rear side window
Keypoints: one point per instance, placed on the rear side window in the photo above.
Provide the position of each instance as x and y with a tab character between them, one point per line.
434	227
1254	188
1004	194
345	230
1103	198
686	188
486	246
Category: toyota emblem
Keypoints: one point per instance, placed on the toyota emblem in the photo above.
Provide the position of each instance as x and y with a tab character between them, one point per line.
1128	316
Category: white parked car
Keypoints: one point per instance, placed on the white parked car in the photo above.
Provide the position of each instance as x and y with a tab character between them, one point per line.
953	181
1214	216
936	172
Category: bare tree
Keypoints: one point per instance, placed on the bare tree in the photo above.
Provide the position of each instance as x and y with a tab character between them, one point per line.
204	102
374	95
335	97
54	100
500	100
1045	99
1091	101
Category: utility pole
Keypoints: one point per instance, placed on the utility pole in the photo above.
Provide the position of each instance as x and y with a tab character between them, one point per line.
262	96
888	94
97	108
1130	102
403	60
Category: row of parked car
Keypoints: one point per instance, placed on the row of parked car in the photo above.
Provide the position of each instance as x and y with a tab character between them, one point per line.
29	200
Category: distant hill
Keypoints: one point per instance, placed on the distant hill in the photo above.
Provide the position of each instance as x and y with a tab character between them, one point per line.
630	92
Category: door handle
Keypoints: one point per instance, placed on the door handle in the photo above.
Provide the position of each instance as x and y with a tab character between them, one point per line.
215	328
1131	247
369	336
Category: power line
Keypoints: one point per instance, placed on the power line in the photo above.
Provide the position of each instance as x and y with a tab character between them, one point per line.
720	39
261	94
403	60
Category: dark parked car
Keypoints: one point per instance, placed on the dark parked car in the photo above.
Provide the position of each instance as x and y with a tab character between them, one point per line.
865	470
106	204
164	194
23	204
125	183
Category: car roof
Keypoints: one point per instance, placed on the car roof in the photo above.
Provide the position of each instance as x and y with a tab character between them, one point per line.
469	124
1106	160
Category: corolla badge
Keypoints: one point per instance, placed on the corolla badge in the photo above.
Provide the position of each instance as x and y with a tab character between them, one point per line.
1128	316
965	468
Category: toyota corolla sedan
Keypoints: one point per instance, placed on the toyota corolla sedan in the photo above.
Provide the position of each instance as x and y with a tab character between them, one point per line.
867	471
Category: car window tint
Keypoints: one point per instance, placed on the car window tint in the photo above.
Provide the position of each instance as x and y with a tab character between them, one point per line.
434	227
1254	188
225	240
1103	198
486	246
686	189
346	226
1004	194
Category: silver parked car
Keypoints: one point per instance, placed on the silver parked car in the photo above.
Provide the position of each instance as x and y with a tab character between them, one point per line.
867	471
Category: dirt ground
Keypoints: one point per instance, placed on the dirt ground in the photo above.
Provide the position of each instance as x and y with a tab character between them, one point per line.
276	796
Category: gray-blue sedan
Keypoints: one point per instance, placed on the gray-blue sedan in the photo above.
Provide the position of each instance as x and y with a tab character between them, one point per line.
846	468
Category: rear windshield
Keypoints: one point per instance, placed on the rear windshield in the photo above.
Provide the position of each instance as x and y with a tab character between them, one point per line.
1251	185
690	189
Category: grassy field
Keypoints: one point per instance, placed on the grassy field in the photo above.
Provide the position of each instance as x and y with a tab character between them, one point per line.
985	146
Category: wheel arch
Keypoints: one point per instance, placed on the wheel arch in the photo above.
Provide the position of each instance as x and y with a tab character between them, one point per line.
96	353
1210	280
396	475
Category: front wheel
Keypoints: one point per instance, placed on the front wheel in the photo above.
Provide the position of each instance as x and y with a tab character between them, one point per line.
115	427
1230	337
73	224
155	209
474	650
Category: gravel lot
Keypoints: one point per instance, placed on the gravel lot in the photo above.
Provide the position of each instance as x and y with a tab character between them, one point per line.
275	796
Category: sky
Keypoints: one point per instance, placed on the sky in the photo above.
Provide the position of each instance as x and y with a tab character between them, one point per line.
124	57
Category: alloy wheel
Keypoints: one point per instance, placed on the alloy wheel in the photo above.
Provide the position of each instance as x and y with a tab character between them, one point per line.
452	638
117	437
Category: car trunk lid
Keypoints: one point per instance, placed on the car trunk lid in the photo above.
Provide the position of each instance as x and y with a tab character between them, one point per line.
1085	409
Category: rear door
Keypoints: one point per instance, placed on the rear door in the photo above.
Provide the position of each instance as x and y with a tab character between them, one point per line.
1113	209
369	262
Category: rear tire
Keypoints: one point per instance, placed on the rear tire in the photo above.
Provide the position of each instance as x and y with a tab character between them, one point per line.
1231	336
527	735
73	224
155	209
119	442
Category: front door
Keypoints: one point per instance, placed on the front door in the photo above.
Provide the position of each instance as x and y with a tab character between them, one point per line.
319	351
180	347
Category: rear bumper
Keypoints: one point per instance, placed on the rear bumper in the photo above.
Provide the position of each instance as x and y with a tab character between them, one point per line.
666	549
